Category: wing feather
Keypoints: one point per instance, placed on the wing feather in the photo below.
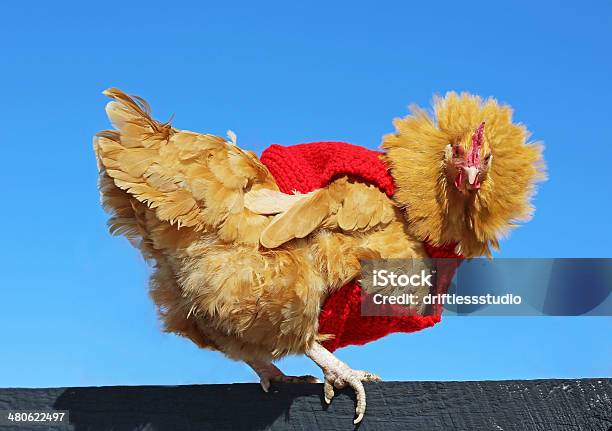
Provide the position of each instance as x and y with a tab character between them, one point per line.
186	179
350	207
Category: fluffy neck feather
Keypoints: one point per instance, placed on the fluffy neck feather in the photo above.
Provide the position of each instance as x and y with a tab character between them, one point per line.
435	210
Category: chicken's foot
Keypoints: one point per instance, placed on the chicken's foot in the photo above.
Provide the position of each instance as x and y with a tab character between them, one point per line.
338	374
268	372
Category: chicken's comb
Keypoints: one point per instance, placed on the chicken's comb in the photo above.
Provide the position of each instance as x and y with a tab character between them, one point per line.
474	154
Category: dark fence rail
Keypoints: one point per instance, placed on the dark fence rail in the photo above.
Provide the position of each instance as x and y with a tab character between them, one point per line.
524	405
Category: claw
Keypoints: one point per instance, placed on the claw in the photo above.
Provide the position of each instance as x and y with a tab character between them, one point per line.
265	384
358	419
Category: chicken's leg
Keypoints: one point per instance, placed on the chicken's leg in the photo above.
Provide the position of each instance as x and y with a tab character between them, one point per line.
338	374
268	372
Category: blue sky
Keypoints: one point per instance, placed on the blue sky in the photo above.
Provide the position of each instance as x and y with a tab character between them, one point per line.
75	309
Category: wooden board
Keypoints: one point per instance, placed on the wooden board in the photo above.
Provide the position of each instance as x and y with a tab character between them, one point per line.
558	405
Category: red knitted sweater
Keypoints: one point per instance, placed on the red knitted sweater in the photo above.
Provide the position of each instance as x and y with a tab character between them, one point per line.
306	167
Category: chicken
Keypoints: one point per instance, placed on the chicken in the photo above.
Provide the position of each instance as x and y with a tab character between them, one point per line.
244	269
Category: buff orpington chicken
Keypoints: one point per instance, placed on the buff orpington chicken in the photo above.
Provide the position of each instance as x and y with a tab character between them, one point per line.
243	268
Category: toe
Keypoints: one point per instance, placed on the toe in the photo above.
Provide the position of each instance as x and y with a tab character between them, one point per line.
309	379
339	384
295	379
361	398
328	391
366	376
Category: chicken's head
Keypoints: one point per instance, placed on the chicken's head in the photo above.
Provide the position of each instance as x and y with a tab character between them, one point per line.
464	174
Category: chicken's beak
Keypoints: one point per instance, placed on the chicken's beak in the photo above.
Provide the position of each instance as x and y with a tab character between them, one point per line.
472	176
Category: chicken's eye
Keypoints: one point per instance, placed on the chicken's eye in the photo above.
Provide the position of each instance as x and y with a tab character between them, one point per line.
487	158
457	151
